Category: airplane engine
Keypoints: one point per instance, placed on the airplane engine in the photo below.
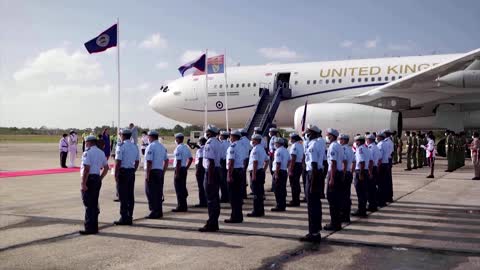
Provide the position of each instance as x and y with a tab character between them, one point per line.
349	118
462	79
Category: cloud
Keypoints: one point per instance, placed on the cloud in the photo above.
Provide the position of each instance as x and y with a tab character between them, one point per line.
155	41
59	65
346	44
280	53
372	43
162	65
409	45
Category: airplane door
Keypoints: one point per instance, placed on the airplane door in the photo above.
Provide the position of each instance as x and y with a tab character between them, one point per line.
283	79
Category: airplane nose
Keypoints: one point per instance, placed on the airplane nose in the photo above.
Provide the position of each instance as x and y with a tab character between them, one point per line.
157	104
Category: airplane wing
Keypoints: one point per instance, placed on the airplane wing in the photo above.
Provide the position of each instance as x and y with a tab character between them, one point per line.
420	87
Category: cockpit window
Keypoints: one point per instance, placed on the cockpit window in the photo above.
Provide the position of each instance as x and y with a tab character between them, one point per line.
165	89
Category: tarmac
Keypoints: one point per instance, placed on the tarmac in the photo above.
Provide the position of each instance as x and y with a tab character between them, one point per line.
432	224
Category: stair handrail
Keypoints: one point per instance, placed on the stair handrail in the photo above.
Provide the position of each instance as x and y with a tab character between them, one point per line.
272	106
262	97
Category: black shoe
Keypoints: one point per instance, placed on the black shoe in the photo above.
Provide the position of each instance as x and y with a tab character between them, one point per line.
448	170
312	238
476	178
233	221
116	200
407	169
372	209
293	204
415	168
82	232
255	215
303	200
207	228
178	210
359	214
430	176
276	209
122	222
200	205
330	227
251	193
154	216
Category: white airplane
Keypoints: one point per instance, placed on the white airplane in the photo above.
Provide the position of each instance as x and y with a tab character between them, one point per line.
418	92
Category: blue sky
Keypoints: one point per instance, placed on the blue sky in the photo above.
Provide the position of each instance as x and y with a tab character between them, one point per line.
47	78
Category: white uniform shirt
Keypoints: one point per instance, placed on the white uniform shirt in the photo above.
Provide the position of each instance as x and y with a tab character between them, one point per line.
235	153
63	145
315	153
375	154
257	154
199	154
181	153
282	157
384	152
362	155
95	158
225	144
297	150
335	152
390	146
244	143
128	153
157	154
348	156
212	151
271	145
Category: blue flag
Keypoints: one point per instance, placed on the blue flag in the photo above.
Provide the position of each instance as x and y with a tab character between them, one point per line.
105	40
198	64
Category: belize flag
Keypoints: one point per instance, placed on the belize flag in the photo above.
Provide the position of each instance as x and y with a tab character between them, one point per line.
198	64
102	42
215	65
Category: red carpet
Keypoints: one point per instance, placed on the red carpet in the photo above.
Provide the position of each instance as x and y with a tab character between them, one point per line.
38	172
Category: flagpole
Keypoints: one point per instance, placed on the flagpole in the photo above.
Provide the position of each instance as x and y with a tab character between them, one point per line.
118	76
206	90
226	85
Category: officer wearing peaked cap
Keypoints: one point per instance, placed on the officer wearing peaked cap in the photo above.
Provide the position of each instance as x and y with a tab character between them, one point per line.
224	136
295	169
314	156
348	159
211	163
273	133
363	168
280	164
372	184
156	163
127	158
200	173
335	155
258	130
93	162
183	160
257	164
235	158
382	182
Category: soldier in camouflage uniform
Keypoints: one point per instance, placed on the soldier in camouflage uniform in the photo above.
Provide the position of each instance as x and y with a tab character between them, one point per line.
409	150
414	150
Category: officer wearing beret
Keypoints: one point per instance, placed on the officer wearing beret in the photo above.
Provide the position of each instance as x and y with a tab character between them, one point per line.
257	165
372	184
211	163
382	182
335	178
295	168
245	142
314	156
235	176
183	160
93	161
127	158
348	158
155	163
273	133
224	135
362	168
200	173
258	130
280	165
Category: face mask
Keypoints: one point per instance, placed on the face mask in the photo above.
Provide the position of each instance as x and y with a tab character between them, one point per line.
328	139
176	143
376	140
307	136
251	144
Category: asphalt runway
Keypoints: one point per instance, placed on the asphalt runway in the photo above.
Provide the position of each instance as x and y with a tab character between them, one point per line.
433	224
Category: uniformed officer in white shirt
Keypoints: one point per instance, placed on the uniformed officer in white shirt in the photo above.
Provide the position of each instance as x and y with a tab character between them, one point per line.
373	179
383	170
280	166
246	152
156	163
200	173
235	176
257	165
314	154
362	169
335	178
257	130
145	142
183	160
224	136
348	158
72	148
389	142
211	163
93	163
430	152
127	158
295	168
273	134
63	148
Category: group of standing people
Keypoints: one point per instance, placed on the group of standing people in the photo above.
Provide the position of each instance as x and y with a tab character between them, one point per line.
67	147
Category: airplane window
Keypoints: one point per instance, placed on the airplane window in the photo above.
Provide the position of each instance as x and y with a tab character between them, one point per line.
320	81
243	85
399	77
393	78
220	86
353	80
333	80
379	79
314	81
308	82
372	79
254	84
296	82
326	81
366	79
386	79
248	85
359	79
215	86
339	80
238	85
231	86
